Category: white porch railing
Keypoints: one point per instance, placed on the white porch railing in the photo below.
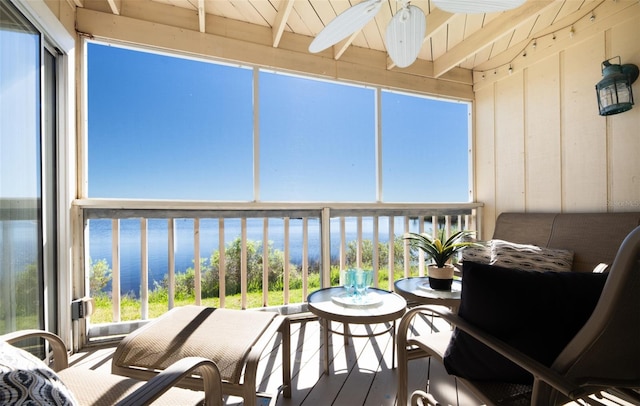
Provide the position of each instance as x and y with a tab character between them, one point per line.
149	242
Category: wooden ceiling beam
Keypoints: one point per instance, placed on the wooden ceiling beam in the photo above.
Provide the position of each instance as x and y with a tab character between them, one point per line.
202	14
115	5
501	25
281	21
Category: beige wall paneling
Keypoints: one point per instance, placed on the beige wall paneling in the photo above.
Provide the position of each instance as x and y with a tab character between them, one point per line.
584	140
623	129
542	137
509	144
484	158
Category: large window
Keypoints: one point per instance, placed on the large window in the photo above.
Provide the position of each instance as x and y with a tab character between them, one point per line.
317	140
27	176
425	149
166	127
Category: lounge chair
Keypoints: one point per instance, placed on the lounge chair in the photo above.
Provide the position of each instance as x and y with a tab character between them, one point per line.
603	356
25	378
233	339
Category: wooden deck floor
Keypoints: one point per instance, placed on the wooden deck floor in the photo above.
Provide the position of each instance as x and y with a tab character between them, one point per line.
360	373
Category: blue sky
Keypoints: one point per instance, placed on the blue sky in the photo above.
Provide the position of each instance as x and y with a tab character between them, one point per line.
172	128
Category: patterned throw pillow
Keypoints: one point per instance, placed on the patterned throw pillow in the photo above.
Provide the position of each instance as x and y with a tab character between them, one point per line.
26	380
479	255
530	257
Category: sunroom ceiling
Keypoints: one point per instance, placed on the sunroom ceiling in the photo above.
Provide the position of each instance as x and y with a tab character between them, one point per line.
481	43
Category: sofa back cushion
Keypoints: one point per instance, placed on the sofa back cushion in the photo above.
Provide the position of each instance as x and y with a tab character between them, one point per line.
594	238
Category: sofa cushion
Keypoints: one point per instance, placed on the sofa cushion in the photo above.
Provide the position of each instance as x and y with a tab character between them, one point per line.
24	379
528	257
537	313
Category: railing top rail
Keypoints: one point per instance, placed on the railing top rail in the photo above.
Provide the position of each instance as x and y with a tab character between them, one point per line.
116	208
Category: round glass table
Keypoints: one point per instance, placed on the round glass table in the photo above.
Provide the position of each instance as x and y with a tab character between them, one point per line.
416	290
333	304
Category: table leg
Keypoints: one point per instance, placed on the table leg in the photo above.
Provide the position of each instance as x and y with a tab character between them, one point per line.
393	350
324	324
346	334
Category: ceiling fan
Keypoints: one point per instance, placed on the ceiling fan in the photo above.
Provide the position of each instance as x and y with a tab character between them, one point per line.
406	30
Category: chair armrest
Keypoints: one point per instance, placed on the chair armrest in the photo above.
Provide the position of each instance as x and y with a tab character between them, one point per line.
169	377
60	358
538	370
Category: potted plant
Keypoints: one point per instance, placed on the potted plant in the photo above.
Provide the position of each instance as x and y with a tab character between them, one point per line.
440	250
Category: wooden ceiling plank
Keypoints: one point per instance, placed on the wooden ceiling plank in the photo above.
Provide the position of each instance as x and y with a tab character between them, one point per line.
249	12
224	9
439	44
436	21
500	26
474	23
281	21
523	32
300	20
455	30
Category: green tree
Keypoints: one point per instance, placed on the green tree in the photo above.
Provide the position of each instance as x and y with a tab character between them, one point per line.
99	277
383	252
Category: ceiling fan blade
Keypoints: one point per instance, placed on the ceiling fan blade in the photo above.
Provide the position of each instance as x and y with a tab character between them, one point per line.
345	24
474	6
405	35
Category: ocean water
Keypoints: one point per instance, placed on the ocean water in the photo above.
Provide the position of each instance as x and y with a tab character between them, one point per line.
100	241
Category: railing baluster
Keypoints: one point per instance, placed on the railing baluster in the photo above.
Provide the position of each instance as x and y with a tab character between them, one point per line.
343	245
196	261
265	261
434	226
222	265
144	268
376	251
420	252
115	269
243	264
392	258
407	251
286	261
172	262
359	242
305	258
325	246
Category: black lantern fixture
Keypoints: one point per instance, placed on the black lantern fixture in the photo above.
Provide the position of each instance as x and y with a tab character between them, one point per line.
614	91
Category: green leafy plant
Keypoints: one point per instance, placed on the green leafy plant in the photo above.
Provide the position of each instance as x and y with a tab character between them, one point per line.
439	249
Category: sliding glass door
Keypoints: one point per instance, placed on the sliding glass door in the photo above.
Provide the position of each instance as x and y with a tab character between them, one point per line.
27	176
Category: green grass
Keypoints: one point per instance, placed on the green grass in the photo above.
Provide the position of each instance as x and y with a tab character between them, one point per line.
130	308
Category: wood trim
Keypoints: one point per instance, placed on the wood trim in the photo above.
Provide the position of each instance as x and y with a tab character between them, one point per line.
358	65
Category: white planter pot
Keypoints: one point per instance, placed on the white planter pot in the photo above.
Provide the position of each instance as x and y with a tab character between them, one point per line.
440	278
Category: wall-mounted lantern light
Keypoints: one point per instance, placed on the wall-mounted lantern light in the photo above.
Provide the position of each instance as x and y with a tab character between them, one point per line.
614	91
